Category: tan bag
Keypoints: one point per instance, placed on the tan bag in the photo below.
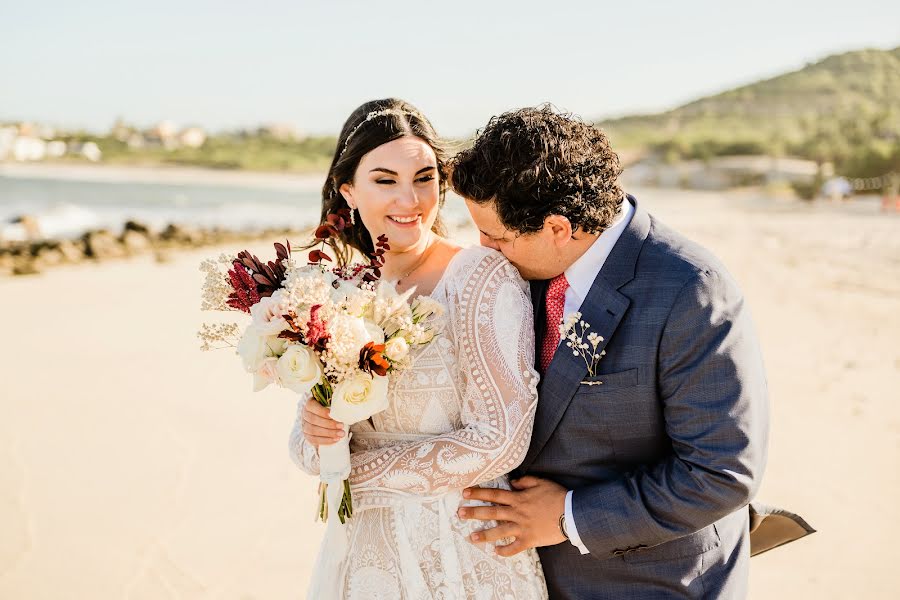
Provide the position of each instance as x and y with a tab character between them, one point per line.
771	527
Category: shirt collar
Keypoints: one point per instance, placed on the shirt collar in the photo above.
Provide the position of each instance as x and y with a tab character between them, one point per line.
582	272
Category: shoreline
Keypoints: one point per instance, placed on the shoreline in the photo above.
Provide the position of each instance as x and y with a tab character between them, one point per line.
104	173
313	181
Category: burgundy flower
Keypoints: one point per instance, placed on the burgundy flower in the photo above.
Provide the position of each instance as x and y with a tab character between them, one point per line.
376	261
245	292
317	256
316	334
268	276
252	279
349	272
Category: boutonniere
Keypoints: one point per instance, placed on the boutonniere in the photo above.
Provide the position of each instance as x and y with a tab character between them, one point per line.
575	331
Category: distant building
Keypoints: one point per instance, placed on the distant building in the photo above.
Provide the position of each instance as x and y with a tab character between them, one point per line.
91	151
27	148
163	134
164	129
721	173
45	132
136	141
192	137
7	137
772	169
121	130
56	149
26	129
280	131
35	130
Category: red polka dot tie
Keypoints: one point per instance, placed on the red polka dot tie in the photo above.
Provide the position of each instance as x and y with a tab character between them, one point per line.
553	309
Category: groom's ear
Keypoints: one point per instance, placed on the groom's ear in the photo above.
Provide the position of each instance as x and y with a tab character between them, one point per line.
559	229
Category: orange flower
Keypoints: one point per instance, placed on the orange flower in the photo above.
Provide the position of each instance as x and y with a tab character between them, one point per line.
372	360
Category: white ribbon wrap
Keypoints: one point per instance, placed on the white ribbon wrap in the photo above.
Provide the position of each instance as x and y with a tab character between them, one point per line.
334	468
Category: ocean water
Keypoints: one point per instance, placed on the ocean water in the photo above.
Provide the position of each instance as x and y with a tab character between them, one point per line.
66	208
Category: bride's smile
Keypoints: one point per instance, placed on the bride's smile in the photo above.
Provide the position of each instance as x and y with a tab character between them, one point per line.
396	192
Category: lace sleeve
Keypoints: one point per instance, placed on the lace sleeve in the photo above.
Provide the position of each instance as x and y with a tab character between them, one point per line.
304	454
493	321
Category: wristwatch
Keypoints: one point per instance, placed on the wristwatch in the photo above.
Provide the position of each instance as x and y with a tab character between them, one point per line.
562	525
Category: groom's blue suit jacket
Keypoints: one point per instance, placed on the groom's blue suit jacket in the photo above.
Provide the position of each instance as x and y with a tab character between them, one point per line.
665	454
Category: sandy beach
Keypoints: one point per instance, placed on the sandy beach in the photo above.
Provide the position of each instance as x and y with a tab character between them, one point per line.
133	465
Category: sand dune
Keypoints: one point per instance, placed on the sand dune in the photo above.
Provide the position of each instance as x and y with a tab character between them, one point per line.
134	466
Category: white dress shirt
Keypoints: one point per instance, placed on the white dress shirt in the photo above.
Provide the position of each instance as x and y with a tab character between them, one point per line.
581	275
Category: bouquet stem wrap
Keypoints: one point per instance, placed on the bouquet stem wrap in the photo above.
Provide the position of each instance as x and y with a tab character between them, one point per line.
334	500
334	473
334	466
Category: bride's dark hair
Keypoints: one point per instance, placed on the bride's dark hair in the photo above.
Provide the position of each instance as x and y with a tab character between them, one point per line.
372	124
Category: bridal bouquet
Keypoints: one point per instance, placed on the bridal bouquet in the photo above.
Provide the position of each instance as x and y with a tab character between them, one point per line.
335	332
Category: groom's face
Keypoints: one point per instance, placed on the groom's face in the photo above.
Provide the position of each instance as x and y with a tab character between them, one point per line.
535	255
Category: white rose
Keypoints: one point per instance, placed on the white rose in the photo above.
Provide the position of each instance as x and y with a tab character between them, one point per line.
299	368
266	374
359	398
396	349
266	314
254	347
276	344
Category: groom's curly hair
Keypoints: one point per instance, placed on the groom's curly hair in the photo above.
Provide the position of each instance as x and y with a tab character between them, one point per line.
536	162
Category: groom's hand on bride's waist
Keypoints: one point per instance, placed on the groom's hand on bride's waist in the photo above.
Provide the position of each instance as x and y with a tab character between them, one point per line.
530	513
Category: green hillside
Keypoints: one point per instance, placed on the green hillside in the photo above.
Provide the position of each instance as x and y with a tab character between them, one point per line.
844	109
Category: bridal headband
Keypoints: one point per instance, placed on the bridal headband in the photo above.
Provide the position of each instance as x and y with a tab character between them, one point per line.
373	115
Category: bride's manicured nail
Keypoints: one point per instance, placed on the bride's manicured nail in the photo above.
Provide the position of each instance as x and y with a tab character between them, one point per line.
466	493
462	513
476	537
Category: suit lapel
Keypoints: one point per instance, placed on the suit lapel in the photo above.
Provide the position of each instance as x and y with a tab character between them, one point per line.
603	309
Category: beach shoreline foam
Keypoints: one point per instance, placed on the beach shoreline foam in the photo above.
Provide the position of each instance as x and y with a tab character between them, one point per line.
162	174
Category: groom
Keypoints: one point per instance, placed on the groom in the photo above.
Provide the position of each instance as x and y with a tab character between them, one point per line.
641	468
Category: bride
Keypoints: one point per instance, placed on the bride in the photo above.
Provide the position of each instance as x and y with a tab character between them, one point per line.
462	414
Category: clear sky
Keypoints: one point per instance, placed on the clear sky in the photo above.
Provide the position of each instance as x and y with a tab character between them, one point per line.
224	64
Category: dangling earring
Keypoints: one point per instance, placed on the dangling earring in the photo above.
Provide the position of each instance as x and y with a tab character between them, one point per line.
352	216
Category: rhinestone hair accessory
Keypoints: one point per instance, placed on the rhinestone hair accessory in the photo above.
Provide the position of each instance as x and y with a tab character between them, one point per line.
373	115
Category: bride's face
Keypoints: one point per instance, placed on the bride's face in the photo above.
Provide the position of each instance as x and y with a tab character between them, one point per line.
396	191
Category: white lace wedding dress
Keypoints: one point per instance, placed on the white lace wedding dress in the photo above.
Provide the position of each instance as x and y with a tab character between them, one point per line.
460	416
